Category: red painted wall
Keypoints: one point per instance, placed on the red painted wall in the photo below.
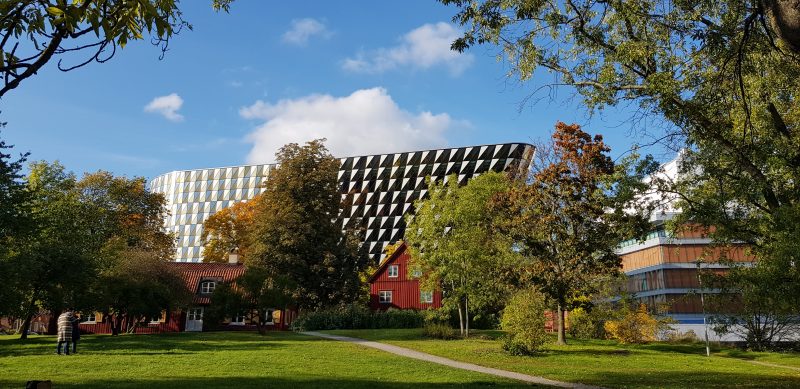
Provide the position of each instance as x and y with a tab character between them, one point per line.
405	291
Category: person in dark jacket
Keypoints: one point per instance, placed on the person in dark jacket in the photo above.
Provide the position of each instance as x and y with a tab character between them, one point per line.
64	331
76	334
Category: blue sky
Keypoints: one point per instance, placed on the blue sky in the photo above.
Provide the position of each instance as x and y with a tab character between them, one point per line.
370	76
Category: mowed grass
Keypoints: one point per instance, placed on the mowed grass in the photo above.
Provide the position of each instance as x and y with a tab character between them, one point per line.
222	360
609	364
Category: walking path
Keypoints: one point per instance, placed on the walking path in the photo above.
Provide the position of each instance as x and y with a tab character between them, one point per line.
451	363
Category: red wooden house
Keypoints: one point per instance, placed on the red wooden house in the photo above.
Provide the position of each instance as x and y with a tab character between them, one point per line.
394	286
201	279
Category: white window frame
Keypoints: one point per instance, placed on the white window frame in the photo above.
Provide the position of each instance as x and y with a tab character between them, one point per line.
194	314
236	322
385	296
208	286
426	297
92	316
394	271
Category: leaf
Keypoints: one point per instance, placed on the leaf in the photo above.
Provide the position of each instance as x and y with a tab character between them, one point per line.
55	11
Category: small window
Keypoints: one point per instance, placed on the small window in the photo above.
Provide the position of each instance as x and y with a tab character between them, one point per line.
394	271
385	297
159	319
416	273
426	297
270	317
207	287
238	320
195	314
89	318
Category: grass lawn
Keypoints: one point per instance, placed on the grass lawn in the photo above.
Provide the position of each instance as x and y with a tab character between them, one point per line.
609	364
224	360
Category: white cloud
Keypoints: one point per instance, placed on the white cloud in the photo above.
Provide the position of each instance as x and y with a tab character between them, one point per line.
166	106
421	48
303	29
367	121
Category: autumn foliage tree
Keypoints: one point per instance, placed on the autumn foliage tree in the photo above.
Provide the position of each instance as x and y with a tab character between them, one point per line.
569	220
226	231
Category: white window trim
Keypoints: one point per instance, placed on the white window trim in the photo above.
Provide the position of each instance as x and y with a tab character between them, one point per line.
92	315
208	286
396	269
386	293
422	298
238	323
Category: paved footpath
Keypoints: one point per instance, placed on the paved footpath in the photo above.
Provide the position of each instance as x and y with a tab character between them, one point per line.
402	351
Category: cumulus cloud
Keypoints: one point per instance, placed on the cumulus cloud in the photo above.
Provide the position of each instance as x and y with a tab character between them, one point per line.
422	48
302	30
167	106
368	121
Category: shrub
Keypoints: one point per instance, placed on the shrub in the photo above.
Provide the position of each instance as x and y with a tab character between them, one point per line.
355	316
523	320
681	337
634	326
588	324
439	331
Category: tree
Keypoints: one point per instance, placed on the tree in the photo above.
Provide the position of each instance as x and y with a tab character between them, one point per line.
226	231
758	303
568	222
296	232
34	32
140	286
52	261
456	248
724	74
13	220
130	249
252	296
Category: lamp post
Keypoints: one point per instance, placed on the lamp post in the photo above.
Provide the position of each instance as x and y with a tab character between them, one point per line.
703	305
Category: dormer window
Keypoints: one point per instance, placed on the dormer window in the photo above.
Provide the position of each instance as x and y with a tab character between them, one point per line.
207	287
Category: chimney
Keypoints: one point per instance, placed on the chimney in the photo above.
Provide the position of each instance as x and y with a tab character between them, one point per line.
233	258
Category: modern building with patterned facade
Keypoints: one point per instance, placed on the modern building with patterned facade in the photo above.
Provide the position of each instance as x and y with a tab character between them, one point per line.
378	190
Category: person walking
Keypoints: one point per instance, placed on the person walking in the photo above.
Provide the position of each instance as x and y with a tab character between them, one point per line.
76	333
64	331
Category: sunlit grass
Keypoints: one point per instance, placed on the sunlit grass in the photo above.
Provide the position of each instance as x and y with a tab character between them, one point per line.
609	364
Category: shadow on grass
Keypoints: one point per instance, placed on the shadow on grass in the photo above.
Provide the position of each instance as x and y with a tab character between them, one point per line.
692	378
266	382
150	344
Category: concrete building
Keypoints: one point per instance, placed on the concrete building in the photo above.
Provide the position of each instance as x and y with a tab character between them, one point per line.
379	189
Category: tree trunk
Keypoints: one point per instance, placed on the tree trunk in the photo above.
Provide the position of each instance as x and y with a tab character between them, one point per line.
561	332
116	324
466	317
784	18
26	324
52	323
460	319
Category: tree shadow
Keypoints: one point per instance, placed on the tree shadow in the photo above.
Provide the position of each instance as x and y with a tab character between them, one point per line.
268	382
151	344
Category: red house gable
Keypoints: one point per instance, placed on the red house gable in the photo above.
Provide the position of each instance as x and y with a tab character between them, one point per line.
391	287
193	273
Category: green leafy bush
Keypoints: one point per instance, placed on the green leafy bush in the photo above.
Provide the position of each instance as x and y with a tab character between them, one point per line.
440	331
523	320
356	317
588	324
